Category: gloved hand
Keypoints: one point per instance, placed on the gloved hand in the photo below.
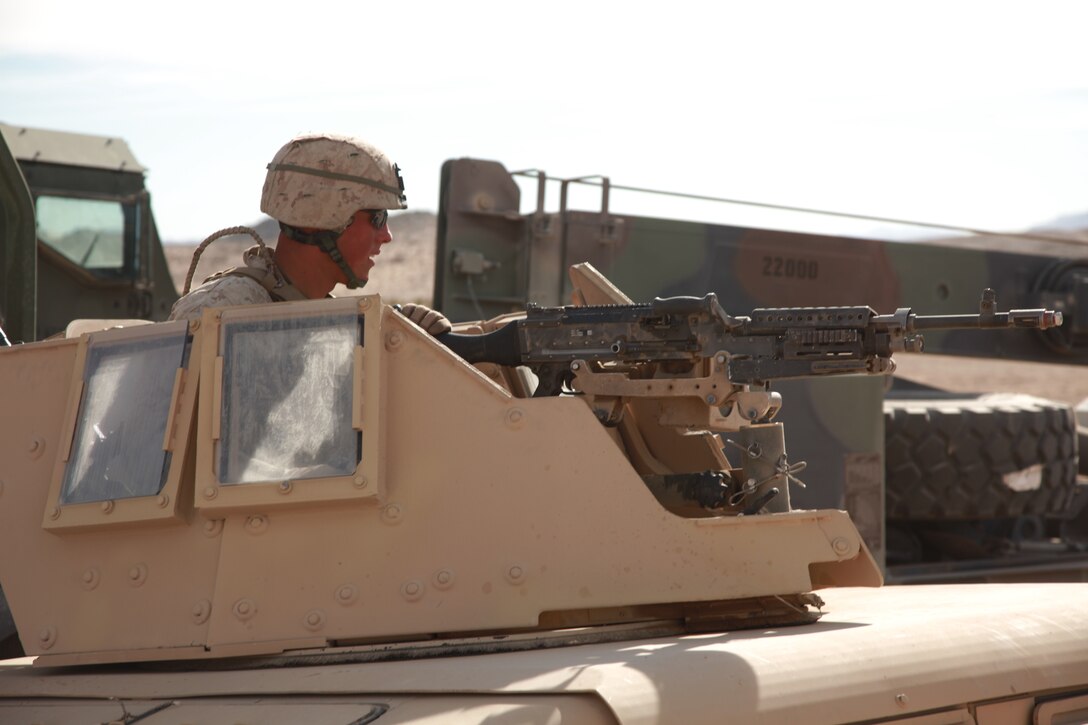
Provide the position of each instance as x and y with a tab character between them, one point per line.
433	322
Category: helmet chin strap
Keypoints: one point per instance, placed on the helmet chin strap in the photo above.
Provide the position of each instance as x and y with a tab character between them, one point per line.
326	240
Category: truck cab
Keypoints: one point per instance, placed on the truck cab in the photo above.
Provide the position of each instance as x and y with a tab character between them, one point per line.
88	246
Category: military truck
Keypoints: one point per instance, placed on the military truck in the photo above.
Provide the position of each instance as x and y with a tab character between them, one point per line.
89	246
944	486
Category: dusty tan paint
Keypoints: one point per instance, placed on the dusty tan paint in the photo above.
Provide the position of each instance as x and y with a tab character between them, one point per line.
419	710
944	649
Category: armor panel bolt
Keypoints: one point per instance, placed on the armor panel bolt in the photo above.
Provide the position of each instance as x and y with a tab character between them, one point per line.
47	637
315	620
412	590
107	507
137	575
213	527
901	700
392	514
36	447
90	578
245	609
840	545
515	417
515	574
347	594
393	340
285	487
360	482
443	579
163	501
201	611
211	492
257	524
54	513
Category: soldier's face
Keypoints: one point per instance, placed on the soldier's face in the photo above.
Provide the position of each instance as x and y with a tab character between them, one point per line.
362	241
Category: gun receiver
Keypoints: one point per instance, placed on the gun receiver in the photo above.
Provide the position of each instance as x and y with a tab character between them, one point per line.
680	334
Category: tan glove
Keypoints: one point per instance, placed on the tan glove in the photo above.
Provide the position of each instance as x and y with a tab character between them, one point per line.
433	322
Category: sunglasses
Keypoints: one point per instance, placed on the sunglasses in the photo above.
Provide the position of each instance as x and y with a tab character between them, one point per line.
378	217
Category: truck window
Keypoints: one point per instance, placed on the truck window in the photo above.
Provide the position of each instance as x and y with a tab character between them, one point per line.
117	450
89	232
287	391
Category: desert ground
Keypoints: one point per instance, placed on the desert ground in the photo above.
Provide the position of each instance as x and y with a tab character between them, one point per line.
405	273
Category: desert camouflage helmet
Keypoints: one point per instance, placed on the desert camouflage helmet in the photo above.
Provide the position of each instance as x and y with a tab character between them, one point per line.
316	183
319	181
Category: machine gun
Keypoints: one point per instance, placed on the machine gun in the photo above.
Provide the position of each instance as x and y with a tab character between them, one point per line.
672	337
711	371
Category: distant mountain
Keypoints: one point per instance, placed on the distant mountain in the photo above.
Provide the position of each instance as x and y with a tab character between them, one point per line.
1066	223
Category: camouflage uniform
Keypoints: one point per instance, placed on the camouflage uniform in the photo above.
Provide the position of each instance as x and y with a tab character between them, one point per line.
258	281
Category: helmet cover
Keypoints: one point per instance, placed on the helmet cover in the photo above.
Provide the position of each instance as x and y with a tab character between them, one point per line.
319	181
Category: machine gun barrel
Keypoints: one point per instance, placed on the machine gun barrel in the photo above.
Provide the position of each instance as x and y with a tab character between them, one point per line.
771	344
1037	319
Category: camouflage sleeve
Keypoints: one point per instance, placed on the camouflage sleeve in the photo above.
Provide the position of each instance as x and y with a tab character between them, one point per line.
223	292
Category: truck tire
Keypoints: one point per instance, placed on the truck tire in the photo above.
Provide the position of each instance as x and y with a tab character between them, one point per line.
987	457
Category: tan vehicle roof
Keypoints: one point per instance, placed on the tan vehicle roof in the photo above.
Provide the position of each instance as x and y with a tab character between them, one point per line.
73	149
876	654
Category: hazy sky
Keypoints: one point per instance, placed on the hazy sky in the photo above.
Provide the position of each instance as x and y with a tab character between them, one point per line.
968	113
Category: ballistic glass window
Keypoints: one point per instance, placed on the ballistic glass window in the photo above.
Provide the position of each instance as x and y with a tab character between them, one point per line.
89	232
117	451
286	401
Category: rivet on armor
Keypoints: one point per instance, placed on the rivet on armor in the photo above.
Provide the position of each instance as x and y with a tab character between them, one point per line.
515	574
285	487
364	304
36	447
90	578
137	575
211	492
360	482
711	399
244	609
443	579
47	637
257	524
201	611
412	590
347	594
54	513
194	325
392	514
314	620
840	545
212	527
107	507
515	418
393	340
163	500
901	700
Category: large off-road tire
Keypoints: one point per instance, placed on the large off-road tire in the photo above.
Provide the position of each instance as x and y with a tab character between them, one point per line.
988	457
